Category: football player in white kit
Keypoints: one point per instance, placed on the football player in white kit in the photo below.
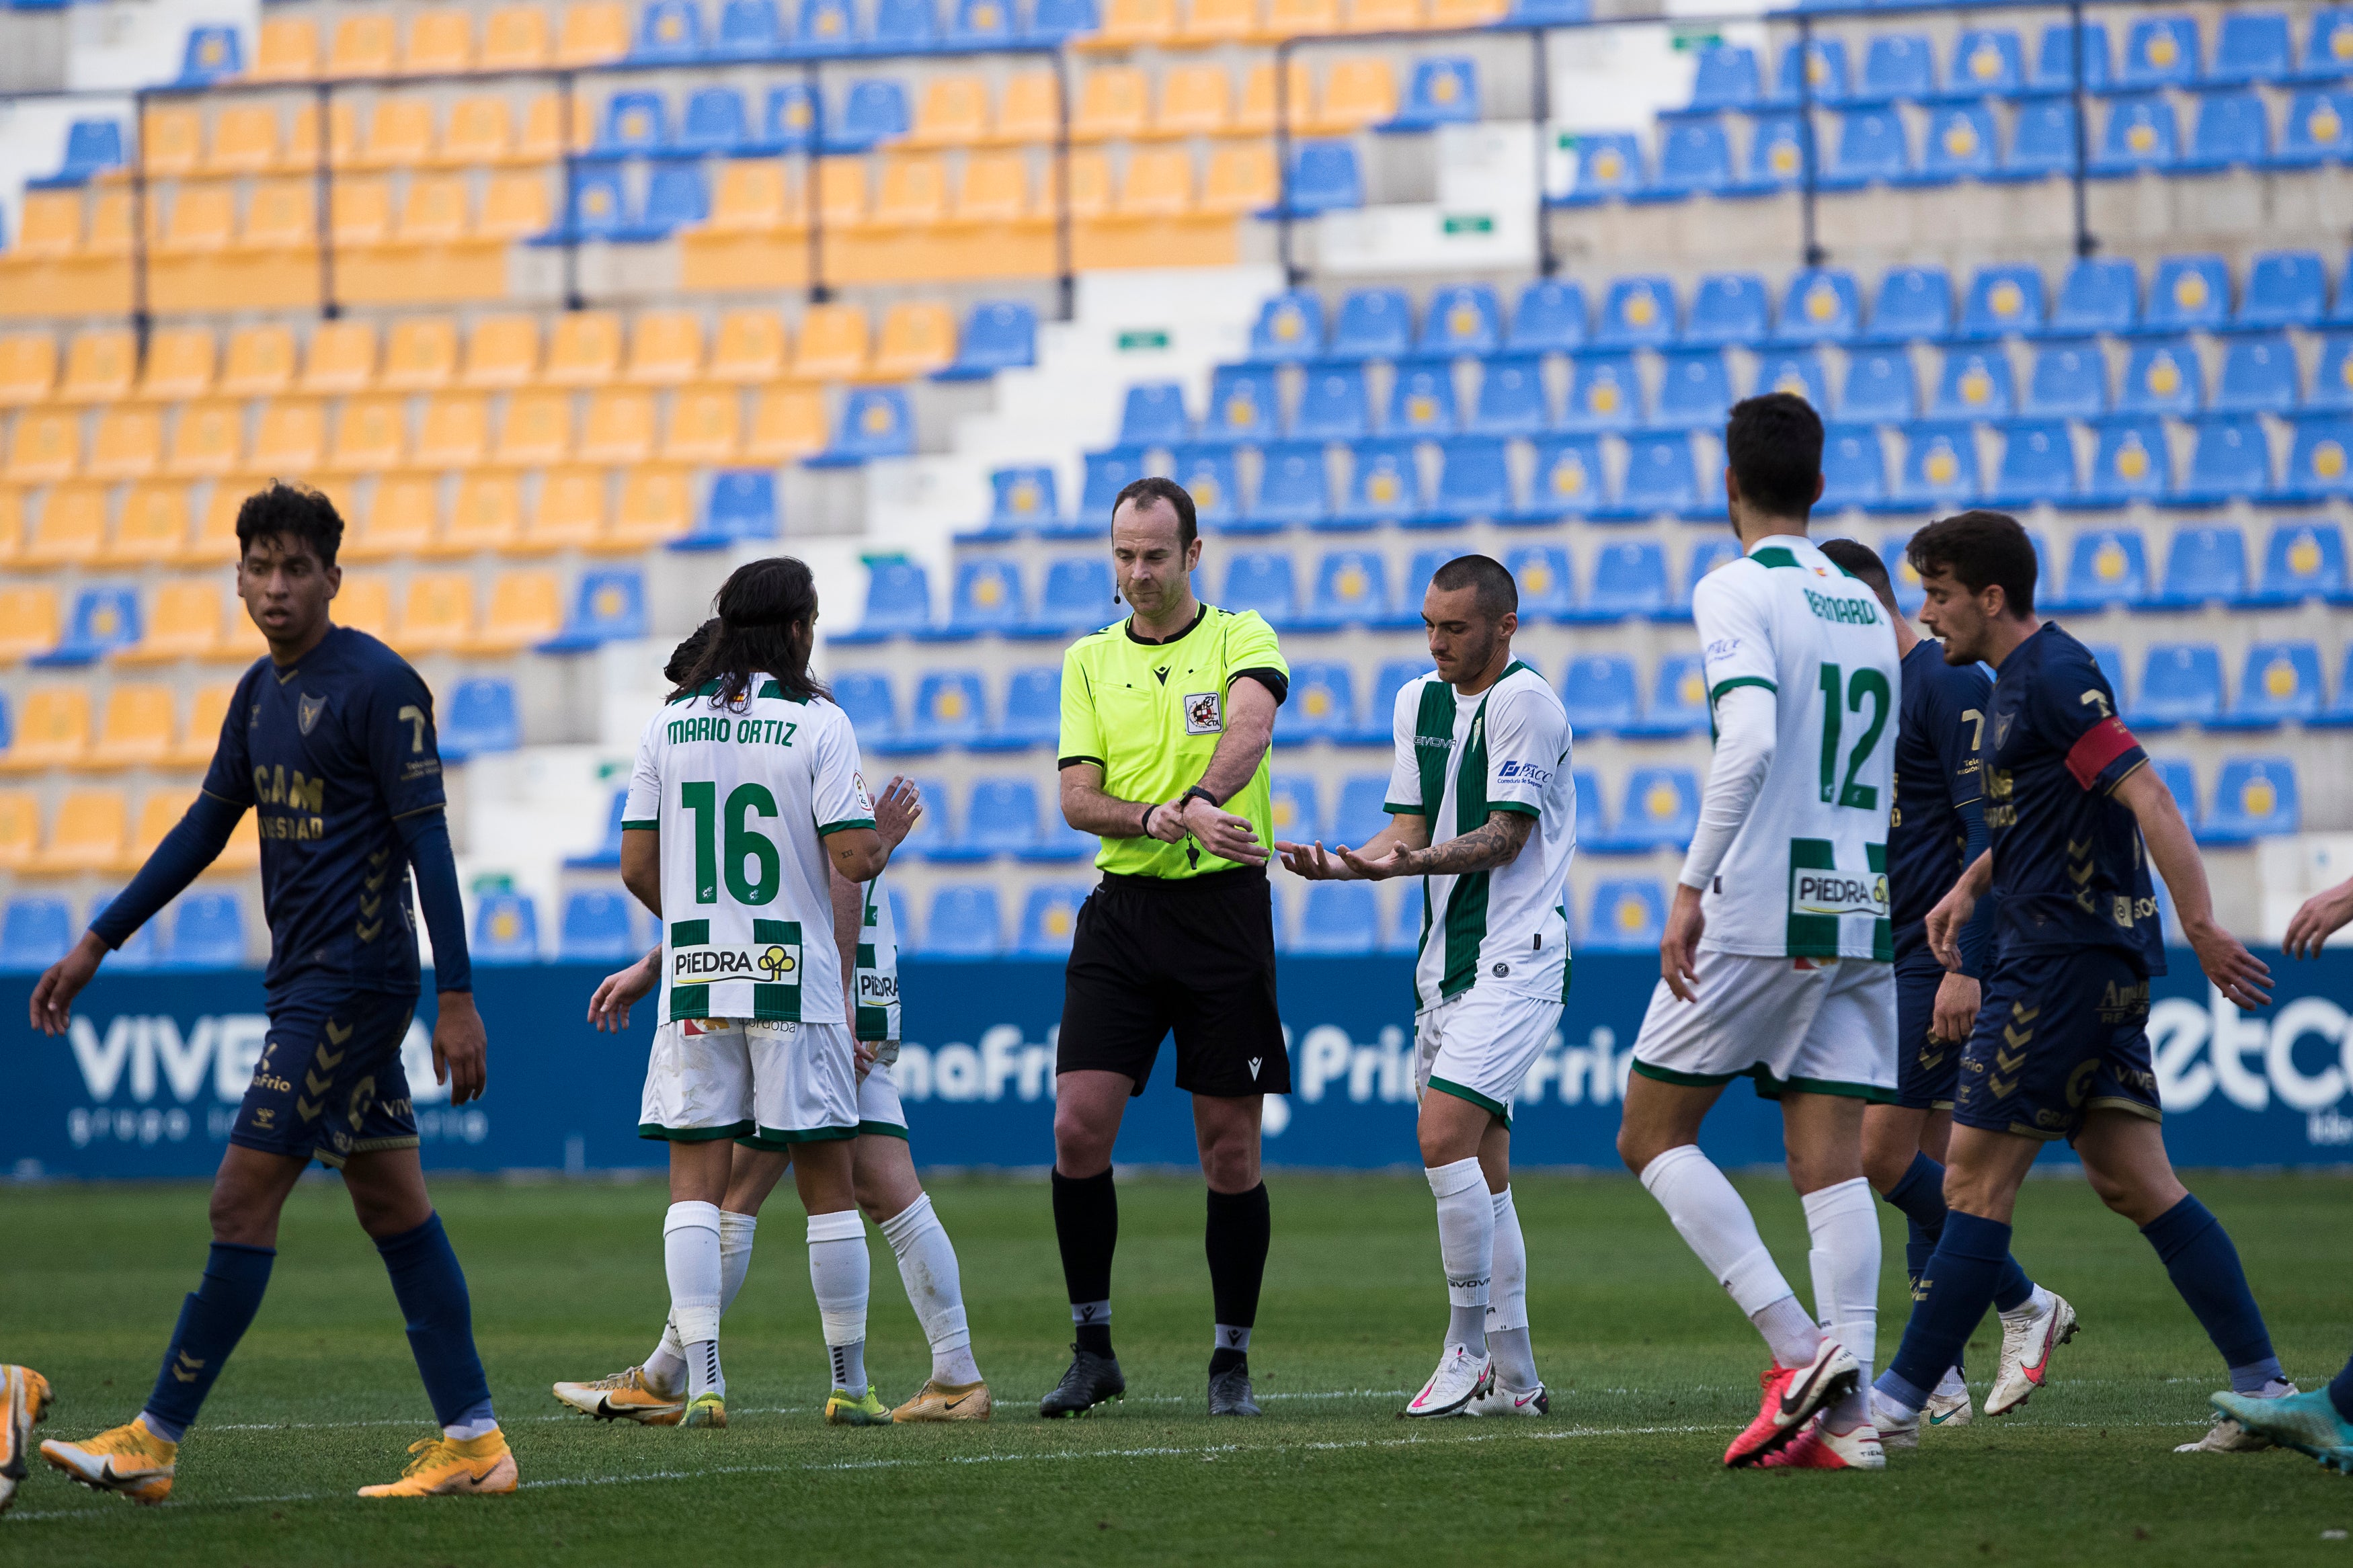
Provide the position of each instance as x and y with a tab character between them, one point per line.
1777	963
1482	809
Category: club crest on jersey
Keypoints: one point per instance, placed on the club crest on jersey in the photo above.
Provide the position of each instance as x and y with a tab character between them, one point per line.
1831	892
1202	713
769	961
307	710
2001	730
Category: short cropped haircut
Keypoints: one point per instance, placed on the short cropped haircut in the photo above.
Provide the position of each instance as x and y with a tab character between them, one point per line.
1773	445
295	513
1980	549
1498	596
1860	561
1143	492
682	657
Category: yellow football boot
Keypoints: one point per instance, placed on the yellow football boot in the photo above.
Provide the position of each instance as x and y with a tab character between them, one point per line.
843	1408
705	1410
937	1401
444	1467
624	1396
131	1460
24	1403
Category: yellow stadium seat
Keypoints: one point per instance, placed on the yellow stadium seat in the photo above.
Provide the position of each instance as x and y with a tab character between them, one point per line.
502	350
52	224
832	345
655	507
259	362
420	355
917	339
292	439
179	364
594	31
1158	184
176	142
46	445
585	350
159	813
571	511
440	42
665	348
208	439
1221	21
88	835
914	192
128	444
98	367
154	525
488	516
750	347
282	214
203	217
1089	187
1115	103
216	541
1129	23
1386	15
787	424
20	828
302	136
435	211
1256	116
136	729
205	717
12	525
361	209
243	855
1454	14
1028	113
371	435
184	623
399	134
364	604
750	198
841	192
1295	18
1194	100
287	50
479	131
995	188
71	527
953	112
109	225
620	427
1356	93
29	620
245	140
514	38
342	358
52	731
516	206
1241	180
543	130
402	520
525	607
706	425
455	433
363	45
28	368
437	615
537	432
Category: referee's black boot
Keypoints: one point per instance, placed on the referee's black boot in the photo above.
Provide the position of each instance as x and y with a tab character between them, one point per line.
1229	1393
1092	1380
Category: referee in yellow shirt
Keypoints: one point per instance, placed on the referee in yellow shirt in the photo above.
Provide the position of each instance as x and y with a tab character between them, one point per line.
1165	721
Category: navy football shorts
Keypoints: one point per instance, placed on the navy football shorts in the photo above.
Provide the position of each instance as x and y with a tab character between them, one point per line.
1925	1068
2059	1034
329	1082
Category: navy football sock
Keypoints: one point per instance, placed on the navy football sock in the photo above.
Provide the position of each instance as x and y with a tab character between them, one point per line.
431	1290
2196	1253
1920	1195
212	1319
1955	1289
2340	1392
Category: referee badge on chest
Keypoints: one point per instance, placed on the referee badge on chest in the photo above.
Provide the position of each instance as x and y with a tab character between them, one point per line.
1203	713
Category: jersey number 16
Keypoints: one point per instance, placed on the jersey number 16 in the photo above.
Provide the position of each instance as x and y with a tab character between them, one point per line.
744	842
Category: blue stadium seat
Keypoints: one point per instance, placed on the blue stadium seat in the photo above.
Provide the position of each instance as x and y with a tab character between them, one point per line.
2142	133
1289	328
35	933
788	121
1706	556
1352	589
1380	710
2319	128
2339	714
2055	59
1600	694
740	504
213	53
1870	148
677	196
1823	80
1373	323
2229	460
595	928
871	701
103	619
92	147
1636	312
1021	499
2069	378
948	710
905	26
1333	405
1077	596
1879	387
2204	566
1548	317
2285	289
2180	782
634	125
1725	78
875	422
208	932
1914	303
2109	566
597	208
1569	478
1052	21
1695	159
1898	66
1108	472
607	855
1604	165
2038	465
1000	335
1050	916
669	32
2181	683
2255	797
1909	594
827	26
1293	486
1001	818
2258	374
1662	809
749	30
2042	141
1604	392
2232	130
2003	302
1322	705
2252	47
1798	371
481	717
1337	919
1626	915
2328	46
1854	467
1662	477
1678	699
1975	383
1262	581
1777	151
609	607
1820	305
1384	486
1510	398
898	602
1207	474
1474	481
2303	561
1630	578
2279	683
2162	377
964	923
1463	321
506	929
1359	816
1421	401
2317	466
1962	145
1546	582
2159	51
1728	307
874	112
2132	463
1986	62
2106	655
2332	380
1295	815
2189	294
1325	177
1940	467
1694	389
1154	415
1033	710
1442	91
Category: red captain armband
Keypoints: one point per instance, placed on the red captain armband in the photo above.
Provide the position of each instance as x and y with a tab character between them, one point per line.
2098	746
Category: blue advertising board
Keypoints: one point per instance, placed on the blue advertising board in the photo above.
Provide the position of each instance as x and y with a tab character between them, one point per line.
147	1082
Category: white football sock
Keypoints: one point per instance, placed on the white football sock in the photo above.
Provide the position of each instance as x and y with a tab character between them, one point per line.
1507	1297
1466	1247
2033	1307
1844	1225
691	1259
927	1267
1715	1224
840	1275
667	1366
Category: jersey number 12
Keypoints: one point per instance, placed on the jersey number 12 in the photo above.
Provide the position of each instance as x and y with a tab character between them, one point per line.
1866	682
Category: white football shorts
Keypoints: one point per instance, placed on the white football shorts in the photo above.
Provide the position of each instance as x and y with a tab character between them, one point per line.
1820	1026
1479	1044
878	1110
779	1082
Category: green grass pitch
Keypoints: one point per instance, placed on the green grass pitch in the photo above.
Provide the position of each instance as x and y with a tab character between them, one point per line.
1652	1371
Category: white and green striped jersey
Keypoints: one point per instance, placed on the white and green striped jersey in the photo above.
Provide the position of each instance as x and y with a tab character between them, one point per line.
878	968
1459	759
744	798
1806	876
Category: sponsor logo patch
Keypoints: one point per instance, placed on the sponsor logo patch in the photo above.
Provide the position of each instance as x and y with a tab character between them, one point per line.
1818	892
772	962
1524	773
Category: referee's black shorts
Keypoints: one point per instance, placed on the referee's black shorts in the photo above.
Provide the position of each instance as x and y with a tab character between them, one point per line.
1195	955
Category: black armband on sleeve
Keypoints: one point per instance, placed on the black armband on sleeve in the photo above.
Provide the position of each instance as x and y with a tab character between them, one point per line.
1274	680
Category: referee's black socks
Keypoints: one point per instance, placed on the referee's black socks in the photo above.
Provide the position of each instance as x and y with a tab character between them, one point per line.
1240	1227
1086	1225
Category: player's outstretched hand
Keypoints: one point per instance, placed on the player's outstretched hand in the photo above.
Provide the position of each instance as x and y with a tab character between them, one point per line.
2237	973
1679	948
1222	833
1389	862
53	996
460	1051
1945	925
1955	1017
897	810
1310	861
2318	916
608	1009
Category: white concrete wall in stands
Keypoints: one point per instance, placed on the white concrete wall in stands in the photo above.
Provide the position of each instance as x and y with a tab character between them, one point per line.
132	43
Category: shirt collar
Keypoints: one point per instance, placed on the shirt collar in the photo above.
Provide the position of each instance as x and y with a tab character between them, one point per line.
1200	615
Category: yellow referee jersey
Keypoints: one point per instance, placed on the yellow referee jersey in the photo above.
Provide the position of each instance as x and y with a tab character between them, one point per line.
1152	715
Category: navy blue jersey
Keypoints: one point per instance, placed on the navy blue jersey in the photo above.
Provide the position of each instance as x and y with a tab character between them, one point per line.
2067	858
330	752
1942	710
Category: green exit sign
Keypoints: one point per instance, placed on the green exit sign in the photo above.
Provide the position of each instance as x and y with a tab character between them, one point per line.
1466	223
1138	340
